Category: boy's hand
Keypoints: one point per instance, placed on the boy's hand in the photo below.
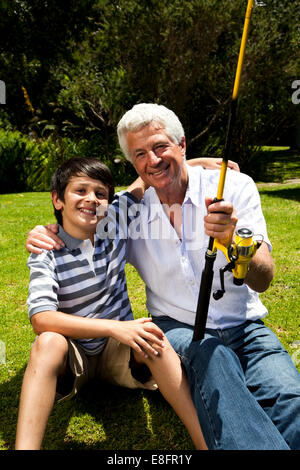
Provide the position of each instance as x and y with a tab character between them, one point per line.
43	238
141	335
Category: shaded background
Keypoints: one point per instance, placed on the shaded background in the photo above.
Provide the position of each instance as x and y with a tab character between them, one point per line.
73	68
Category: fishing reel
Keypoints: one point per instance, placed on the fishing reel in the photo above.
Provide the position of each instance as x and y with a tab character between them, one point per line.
239	255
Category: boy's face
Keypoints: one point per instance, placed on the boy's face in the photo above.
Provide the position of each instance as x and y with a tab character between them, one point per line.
83	195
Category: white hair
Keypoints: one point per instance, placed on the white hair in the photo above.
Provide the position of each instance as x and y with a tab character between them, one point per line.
142	115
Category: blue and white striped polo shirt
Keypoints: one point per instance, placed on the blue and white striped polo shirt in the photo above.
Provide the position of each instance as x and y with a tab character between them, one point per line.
85	280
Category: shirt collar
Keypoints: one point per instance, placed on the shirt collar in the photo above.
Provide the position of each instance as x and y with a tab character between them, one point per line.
193	193
153	204
194	189
70	242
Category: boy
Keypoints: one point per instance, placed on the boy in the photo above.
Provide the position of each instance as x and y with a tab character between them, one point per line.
79	308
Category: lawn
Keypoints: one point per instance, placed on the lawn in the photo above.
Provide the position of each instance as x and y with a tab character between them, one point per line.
102	416
274	164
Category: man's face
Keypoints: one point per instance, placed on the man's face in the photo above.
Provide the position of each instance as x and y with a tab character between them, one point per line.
83	195
156	158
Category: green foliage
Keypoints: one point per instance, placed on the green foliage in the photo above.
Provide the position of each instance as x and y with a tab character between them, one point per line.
36	36
16	152
83	64
28	163
184	54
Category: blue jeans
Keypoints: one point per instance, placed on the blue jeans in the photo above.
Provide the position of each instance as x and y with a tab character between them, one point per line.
244	385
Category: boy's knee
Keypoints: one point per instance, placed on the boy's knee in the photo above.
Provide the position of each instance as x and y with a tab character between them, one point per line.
162	353
50	344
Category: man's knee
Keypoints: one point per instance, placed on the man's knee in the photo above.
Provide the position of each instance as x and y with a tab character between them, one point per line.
211	354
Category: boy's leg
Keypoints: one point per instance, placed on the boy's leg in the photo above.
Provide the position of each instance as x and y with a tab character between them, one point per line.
167	371
47	361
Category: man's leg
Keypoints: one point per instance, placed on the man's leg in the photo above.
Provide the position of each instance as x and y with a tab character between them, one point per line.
47	361
170	377
271	377
229	415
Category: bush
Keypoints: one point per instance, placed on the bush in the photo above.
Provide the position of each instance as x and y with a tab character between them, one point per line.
53	152
27	164
16	152
42	164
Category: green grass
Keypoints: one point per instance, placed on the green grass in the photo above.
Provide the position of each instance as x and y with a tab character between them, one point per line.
102	416
276	164
282	212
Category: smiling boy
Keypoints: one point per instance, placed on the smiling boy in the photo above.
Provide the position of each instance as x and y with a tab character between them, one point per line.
79	213
80	311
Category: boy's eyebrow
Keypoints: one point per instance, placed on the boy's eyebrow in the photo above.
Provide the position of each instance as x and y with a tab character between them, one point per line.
86	183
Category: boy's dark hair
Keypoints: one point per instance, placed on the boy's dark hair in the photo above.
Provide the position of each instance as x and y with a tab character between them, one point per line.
91	167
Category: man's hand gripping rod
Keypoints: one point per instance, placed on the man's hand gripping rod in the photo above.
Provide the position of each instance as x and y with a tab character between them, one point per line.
240	253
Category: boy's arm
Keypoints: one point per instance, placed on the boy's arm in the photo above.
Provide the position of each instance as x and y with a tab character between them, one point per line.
212	163
45	315
141	334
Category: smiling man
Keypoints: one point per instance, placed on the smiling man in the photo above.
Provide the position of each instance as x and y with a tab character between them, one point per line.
243	383
159	161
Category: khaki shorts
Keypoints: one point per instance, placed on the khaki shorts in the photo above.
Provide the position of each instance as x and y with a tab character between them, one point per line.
111	365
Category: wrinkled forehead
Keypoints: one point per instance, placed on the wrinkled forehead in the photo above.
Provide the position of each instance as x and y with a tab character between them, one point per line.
147	136
152	128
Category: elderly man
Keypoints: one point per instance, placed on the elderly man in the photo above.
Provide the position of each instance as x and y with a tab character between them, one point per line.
243	383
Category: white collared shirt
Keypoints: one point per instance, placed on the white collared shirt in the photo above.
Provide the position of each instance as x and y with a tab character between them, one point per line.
171	268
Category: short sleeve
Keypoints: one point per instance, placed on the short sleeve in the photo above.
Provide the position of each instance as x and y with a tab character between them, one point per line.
43	284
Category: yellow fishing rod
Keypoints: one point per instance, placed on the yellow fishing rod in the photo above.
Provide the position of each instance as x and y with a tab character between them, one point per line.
234	99
240	253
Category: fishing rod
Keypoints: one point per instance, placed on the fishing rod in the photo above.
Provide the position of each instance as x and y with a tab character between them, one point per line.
240	253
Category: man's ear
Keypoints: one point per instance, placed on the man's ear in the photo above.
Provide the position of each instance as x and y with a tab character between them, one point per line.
58	204
183	145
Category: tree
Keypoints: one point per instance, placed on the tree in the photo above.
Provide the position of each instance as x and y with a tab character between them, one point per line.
183	54
36	36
